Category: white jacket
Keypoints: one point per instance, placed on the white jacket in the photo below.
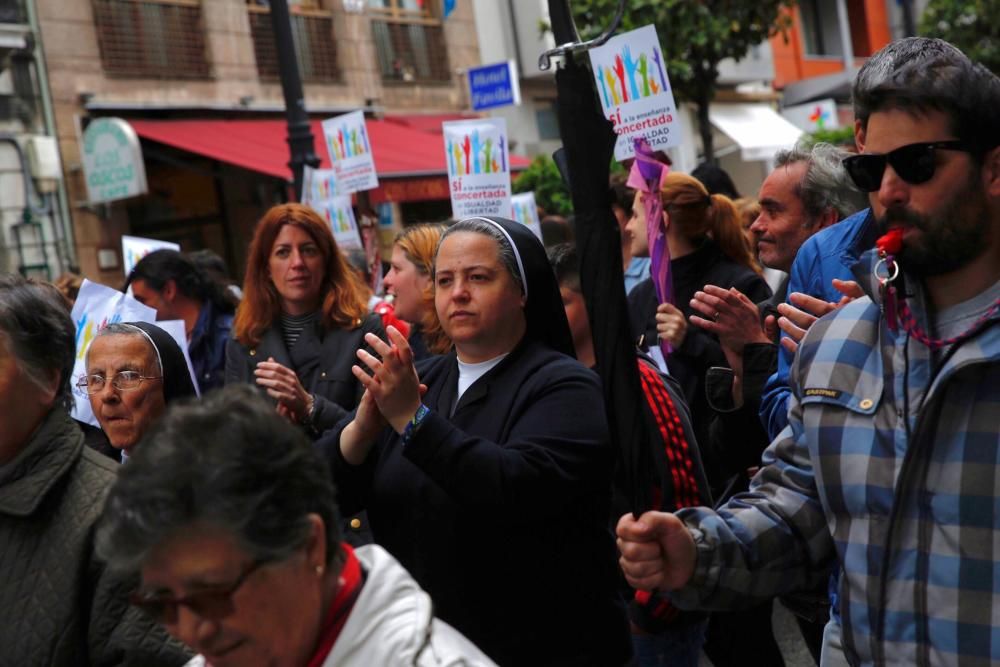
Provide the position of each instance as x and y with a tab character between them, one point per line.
392	624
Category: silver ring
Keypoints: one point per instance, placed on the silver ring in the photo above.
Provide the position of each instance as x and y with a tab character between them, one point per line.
715	318
887	277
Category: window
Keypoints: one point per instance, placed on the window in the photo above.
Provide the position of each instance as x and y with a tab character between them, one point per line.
409	40
820	28
312	32
12	11
161	39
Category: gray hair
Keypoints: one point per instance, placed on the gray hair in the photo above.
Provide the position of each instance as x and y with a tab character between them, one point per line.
505	250
826	183
921	74
229	462
121	329
36	328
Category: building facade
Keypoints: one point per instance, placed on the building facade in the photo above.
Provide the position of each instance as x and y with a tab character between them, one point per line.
179	70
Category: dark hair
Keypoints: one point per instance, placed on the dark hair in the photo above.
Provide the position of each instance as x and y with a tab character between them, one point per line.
555	230
622	195
716	180
37	329
160	266
229	461
566	265
921	74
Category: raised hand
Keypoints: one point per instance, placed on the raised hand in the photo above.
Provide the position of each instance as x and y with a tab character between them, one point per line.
659	66
657	551
467	148
610	78
393	383
630	66
670	324
282	384
730	315
805	310
643	63
604	87
620	71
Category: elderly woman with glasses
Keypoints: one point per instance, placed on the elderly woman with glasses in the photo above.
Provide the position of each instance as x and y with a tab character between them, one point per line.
134	370
229	516
59	605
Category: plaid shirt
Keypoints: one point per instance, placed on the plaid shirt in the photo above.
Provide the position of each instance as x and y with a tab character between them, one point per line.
890	464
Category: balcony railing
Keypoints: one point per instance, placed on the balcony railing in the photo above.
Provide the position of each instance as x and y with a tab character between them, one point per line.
411	51
13	11
315	45
162	39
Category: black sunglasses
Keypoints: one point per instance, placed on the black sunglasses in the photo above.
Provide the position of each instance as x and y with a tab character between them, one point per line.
212	603
914	163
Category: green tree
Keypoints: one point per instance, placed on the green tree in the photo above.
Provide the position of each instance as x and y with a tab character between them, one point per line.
695	36
971	25
542	177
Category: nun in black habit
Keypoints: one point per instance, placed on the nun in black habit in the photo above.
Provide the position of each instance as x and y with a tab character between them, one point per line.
126	407
487	472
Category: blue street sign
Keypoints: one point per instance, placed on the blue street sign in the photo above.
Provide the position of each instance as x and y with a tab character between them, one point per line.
494	85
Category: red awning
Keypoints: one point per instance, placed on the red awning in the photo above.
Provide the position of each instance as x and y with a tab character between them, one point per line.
261	145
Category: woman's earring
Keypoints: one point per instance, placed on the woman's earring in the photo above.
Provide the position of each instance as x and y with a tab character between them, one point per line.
319	570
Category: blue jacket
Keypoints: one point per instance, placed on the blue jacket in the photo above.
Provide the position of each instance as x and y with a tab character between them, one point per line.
888	469
824	256
207	347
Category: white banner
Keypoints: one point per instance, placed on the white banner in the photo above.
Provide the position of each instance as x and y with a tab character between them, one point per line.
318	184
526	212
96	307
350	152
478	167
135	248
338	213
635	92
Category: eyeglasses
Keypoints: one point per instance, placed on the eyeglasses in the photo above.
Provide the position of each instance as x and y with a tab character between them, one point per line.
914	163
211	603
122	380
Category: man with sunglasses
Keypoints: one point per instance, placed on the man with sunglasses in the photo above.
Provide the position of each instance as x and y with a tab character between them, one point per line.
888	468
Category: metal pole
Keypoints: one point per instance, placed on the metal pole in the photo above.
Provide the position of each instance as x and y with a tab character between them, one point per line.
300	138
909	22
845	36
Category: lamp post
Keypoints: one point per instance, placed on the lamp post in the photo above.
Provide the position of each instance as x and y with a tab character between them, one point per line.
300	138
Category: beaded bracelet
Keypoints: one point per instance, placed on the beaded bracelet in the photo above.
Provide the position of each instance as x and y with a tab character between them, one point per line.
414	424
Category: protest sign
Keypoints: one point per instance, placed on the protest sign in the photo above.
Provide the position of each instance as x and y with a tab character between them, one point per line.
338	213
478	167
135	248
96	307
350	152
635	92
318	184
526	212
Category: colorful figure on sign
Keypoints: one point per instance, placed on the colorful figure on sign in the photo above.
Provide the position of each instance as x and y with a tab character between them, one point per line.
467	147
340	140
457	150
503	154
630	69
451	158
610	79
364	139
488	157
477	147
604	86
620	73
659	66
642	72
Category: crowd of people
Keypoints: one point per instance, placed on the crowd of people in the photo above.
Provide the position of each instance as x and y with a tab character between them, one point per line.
442	482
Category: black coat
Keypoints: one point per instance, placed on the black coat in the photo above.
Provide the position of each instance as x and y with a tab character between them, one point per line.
324	364
700	349
501	511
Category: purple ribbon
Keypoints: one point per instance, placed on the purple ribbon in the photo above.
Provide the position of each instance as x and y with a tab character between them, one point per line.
647	176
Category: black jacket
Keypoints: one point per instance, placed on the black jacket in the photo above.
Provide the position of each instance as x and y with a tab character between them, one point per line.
324	364
700	349
59	605
500	511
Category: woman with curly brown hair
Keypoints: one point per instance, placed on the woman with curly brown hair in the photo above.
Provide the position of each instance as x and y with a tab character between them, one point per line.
302	317
409	282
